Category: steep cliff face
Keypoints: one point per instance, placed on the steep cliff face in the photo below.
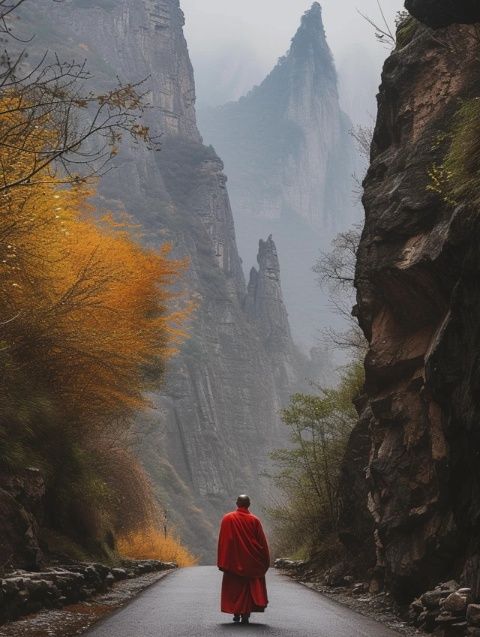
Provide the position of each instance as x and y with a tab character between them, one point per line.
211	426
419	305
289	158
21	514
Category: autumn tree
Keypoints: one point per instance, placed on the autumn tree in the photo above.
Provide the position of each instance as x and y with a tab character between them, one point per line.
85	312
88	318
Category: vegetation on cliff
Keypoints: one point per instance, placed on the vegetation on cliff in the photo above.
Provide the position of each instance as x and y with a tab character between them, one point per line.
457	180
87	315
307	472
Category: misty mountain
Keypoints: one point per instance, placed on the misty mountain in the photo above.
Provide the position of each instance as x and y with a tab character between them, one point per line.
290	158
216	416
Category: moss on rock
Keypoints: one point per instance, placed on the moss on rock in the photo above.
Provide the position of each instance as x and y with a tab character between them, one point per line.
406	31
462	162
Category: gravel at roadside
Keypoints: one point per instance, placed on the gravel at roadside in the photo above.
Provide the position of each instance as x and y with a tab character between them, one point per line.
378	607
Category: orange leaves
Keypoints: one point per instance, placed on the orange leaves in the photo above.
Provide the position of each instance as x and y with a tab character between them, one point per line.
92	305
87	316
152	544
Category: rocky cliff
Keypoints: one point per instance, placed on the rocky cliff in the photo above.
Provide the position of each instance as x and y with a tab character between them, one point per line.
21	515
210	427
418	304
290	159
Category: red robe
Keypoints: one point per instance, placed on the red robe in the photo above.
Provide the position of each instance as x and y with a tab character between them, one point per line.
244	558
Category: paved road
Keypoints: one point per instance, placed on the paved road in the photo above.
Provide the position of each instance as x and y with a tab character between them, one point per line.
186	604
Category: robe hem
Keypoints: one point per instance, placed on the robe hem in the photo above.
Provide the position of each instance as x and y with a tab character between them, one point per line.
254	610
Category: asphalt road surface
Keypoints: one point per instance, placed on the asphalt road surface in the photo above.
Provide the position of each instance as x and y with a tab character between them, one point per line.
186	604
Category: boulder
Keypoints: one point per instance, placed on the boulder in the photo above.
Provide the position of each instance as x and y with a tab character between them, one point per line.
336	576
119	573
432	599
451	586
286	564
473	614
442	13
455	603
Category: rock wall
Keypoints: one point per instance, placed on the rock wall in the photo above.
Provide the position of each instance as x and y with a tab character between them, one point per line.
418	304
211	426
23	592
21	515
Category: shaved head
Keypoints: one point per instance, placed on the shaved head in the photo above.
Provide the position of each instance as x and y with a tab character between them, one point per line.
243	501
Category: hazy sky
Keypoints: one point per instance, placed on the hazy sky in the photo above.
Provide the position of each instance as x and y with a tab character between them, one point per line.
235	43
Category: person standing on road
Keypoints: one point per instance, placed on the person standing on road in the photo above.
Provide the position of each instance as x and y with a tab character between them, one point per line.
244	558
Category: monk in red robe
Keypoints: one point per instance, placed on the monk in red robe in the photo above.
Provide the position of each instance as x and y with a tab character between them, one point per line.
244	558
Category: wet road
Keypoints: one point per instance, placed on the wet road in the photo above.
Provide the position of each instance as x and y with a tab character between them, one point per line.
186	604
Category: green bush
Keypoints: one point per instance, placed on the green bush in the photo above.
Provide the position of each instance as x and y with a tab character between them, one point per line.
462	163
457	178
307	472
406	31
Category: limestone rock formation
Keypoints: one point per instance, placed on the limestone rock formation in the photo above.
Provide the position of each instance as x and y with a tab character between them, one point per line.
211	426
419	306
289	158
265	300
265	306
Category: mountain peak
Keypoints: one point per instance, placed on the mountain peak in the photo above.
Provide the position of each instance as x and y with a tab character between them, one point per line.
313	18
268	258
311	41
315	9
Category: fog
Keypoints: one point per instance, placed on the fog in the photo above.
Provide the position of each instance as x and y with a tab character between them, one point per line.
233	45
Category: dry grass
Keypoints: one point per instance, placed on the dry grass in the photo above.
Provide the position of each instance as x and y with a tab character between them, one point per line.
151	544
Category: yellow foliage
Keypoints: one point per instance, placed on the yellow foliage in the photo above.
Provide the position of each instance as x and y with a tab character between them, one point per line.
83	303
87	314
151	544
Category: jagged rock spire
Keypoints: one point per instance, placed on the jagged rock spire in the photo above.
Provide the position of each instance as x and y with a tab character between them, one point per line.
289	160
264	303
310	43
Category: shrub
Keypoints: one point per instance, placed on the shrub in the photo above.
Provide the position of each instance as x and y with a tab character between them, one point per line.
154	544
463	158
85	311
307	472
457	179
406	29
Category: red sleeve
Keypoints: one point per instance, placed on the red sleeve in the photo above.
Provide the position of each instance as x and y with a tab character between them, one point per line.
224	544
